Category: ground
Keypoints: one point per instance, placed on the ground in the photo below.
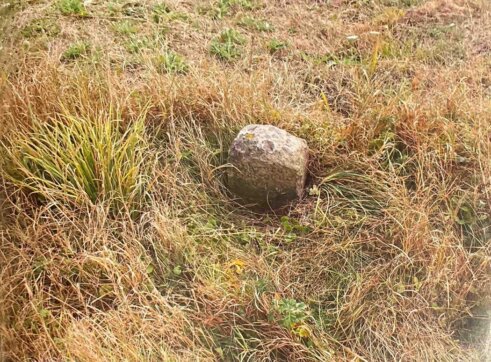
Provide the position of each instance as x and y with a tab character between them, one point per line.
119	238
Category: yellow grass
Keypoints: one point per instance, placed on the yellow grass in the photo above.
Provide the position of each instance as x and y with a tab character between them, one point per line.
120	242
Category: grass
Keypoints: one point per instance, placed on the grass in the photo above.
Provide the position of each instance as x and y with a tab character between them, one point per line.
119	240
79	160
125	27
72	7
40	27
255	24
136	44
224	8
276	45
226	46
161	13
75	51
171	62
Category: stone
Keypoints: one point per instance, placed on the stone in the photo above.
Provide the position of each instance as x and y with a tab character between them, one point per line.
269	166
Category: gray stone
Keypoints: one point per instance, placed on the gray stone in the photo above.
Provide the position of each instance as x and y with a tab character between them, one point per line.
269	166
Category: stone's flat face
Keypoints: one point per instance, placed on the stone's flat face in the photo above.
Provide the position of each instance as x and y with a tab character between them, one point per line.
269	166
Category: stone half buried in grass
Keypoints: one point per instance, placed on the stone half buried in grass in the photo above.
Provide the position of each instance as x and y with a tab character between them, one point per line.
269	166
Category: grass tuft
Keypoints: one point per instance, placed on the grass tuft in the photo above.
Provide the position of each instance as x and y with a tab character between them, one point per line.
171	62
75	51
39	27
276	45
125	27
227	45
256	24
72	7
74	160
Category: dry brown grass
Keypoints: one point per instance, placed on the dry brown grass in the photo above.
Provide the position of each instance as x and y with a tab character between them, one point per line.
386	258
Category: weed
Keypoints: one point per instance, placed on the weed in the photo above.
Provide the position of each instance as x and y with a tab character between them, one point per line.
171	62
440	32
374	57
224	7
255	24
125	27
72	7
465	214
293	313
400	3
227	45
162	12
345	57
136	44
293	228
75	51
44	26
276	45
392	152
161	9
134	10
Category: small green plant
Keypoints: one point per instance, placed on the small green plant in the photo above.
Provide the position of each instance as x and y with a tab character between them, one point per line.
136	44
133	9
162	12
292	225
227	45
293	313
223	7
392	152
171	62
72	159
75	51
275	45
40	27
293	228
161	9
464	212
125	27
72	7
255	24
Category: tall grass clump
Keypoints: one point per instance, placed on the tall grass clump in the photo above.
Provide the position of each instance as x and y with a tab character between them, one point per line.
76	159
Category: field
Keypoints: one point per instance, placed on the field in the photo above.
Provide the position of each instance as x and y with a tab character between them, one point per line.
119	240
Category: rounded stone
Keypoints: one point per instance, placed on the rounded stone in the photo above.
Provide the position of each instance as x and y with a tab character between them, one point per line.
269	166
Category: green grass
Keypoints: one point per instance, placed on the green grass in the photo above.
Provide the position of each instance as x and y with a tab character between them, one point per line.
134	10
40	27
276	45
136	44
72	7
75	51
125	27
76	160
227	46
224	8
162	13
256	24
171	62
